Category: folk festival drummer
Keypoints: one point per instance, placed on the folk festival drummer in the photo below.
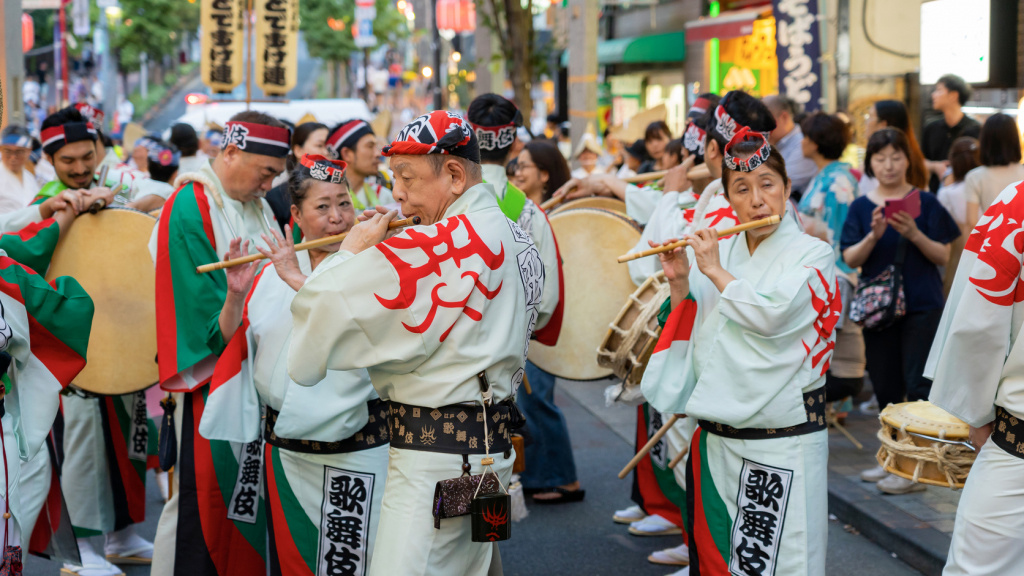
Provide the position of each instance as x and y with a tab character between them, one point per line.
440	315
550	474
976	362
744	351
211	526
329	439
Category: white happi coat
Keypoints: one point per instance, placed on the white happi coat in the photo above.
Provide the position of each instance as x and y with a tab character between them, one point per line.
750	353
977	363
640	202
425	312
333	410
533	221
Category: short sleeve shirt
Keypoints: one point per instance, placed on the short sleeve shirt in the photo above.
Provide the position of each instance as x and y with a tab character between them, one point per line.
937	137
922	283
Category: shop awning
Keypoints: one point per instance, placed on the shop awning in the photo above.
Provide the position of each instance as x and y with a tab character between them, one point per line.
670	47
731	24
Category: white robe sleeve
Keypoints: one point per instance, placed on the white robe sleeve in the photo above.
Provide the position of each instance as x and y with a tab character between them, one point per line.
14	221
640	202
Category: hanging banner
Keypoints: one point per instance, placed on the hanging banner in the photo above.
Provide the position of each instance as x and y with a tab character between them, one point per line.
223	43
798	48
277	44
80	18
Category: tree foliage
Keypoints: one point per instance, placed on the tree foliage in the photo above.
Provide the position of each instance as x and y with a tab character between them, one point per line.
151	26
337	45
511	21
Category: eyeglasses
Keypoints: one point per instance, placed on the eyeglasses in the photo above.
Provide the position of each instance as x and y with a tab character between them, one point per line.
521	166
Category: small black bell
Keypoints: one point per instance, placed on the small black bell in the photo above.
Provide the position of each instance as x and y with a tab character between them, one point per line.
492	517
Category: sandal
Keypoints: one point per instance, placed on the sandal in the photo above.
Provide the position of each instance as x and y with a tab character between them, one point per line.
565	497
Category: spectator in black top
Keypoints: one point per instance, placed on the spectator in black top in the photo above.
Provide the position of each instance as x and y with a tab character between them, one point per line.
948	97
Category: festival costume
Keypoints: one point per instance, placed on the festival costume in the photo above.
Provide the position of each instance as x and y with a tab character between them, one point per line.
326	451
426	322
213	523
977	363
749	365
45	333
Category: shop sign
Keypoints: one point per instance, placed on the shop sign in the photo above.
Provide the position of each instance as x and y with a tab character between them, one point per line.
277	43
222	42
798	48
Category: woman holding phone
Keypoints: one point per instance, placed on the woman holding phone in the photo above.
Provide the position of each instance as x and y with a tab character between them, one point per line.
870	241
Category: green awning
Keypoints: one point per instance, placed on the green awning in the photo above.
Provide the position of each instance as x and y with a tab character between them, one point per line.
670	47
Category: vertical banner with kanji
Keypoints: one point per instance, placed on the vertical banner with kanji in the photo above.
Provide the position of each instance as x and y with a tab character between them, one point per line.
277	44
223	43
798	47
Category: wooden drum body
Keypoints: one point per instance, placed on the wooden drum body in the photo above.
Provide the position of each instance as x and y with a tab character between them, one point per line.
108	253
924	443
589	239
631	337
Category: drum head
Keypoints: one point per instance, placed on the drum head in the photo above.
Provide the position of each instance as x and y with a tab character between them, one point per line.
589	241
923	417
613	204
108	253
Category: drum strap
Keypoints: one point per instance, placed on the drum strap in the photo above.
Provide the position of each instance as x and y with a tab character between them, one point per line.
513	203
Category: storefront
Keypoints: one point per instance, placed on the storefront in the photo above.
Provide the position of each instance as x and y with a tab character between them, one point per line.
739	48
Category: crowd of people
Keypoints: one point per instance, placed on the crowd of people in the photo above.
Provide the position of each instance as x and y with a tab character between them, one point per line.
359	407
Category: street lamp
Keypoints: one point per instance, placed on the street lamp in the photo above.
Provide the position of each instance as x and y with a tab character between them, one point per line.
456	56
427	72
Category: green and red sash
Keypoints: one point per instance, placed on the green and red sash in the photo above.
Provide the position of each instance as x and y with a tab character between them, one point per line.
127	475
208	542
188	303
53	536
293	537
33	245
656	483
707	521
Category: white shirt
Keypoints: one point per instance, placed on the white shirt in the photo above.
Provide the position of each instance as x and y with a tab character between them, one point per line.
953	198
15	195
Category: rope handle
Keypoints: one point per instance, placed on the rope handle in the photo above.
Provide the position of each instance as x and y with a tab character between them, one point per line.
488	460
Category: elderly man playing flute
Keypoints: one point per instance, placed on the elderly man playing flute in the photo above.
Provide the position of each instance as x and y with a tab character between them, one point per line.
440	315
744	351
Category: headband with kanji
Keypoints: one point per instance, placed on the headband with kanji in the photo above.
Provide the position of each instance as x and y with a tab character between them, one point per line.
498	137
56	137
347	135
90	113
740	117
257	138
438	132
693	138
324	169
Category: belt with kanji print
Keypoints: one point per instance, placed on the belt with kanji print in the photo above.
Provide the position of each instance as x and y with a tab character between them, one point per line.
1008	432
374	434
454	429
814	405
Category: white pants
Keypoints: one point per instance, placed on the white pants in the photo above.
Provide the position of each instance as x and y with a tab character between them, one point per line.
988	537
407	542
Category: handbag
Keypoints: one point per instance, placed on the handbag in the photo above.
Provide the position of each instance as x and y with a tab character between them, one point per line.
880	301
454	497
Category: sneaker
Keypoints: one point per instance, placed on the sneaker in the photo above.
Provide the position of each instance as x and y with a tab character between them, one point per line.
894	484
684	572
629	515
127	547
870	407
654	525
875	474
678	556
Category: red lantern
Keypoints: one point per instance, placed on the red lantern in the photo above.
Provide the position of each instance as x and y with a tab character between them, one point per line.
456	15
28	33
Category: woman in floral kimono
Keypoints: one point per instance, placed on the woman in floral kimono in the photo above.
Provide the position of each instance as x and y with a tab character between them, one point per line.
326	451
744	351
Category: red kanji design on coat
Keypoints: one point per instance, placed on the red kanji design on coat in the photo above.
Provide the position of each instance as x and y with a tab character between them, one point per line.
998	240
438	249
829	310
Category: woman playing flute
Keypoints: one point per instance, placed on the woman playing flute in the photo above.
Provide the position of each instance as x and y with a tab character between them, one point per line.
744	351
326	446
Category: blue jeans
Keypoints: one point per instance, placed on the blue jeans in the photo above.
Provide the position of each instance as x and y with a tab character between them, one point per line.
549	460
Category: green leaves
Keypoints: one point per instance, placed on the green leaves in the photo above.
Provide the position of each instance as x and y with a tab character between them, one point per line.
335	43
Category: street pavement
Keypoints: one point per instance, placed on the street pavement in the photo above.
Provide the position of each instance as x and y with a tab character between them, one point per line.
580	538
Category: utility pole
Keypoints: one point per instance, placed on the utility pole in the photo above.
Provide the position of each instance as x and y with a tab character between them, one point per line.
436	47
12	64
107	70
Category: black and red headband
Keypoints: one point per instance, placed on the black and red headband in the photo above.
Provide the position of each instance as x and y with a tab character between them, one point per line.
347	135
694	138
257	138
324	169
750	163
438	132
56	137
700	106
89	112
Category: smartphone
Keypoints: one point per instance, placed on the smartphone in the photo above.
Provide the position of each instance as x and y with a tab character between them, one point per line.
911	204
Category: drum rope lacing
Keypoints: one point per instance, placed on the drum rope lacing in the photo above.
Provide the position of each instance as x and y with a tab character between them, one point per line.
623	360
953	460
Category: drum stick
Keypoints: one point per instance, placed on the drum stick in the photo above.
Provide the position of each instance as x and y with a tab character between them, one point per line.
727	232
101	203
526	384
325	241
678	458
694	173
647	447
